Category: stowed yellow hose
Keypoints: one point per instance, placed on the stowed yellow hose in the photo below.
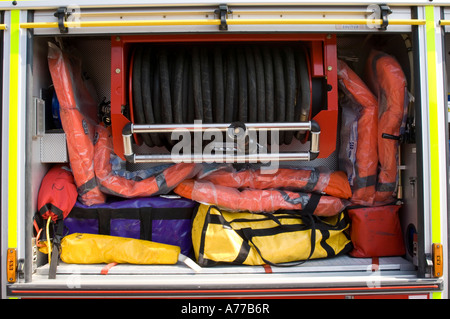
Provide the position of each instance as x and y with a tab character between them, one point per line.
97	249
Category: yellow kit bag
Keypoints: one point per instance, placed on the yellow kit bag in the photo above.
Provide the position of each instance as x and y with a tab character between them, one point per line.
83	248
220	236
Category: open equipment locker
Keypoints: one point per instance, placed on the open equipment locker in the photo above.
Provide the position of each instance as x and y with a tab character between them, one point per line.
101	32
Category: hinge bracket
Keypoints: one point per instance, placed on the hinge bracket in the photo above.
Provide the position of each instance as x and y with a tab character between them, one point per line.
223	12
62	14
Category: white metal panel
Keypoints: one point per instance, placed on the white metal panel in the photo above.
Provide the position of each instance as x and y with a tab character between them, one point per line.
335	265
281	13
39	4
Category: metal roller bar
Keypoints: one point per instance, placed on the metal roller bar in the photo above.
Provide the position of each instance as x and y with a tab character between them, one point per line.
131	129
222	127
200	158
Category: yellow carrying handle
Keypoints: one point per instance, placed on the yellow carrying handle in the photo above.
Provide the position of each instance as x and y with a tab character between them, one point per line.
169	22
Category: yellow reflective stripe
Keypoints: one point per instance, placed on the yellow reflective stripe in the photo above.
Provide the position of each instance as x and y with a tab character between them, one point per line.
433	124
13	110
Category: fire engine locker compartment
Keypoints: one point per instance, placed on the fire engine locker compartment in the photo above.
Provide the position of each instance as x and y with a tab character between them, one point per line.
109	66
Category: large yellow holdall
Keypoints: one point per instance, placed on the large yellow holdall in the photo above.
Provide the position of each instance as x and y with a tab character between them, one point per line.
277	238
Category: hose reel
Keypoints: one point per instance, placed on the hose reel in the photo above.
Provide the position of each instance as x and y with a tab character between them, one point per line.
262	86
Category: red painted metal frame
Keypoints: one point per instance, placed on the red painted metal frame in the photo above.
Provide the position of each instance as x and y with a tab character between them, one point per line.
323	64
384	292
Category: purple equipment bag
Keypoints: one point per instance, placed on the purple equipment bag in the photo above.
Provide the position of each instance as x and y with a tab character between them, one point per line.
159	219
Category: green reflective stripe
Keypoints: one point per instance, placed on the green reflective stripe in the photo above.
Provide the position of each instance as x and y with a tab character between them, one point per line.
433	130
13	132
433	124
433	111
436	295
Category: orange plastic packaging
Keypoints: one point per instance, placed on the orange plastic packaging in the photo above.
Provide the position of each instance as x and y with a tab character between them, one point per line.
74	98
117	185
388	82
358	154
256	200
318	180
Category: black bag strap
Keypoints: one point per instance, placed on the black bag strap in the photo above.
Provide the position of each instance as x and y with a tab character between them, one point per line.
312	205
307	217
248	234
309	220
146	215
57	236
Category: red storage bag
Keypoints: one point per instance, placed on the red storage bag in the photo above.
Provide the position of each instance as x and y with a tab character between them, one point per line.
376	231
57	193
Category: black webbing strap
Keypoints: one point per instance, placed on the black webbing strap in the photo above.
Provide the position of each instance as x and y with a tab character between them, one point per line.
145	216
362	182
49	207
308	219
311	206
248	234
57	236
87	187
312	181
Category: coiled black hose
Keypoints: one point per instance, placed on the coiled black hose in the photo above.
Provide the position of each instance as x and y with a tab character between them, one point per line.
219	84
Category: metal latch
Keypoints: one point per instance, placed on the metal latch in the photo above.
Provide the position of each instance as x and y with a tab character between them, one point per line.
62	15
223	12
384	12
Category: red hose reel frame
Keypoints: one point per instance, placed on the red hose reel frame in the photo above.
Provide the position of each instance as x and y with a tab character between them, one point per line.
323	63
